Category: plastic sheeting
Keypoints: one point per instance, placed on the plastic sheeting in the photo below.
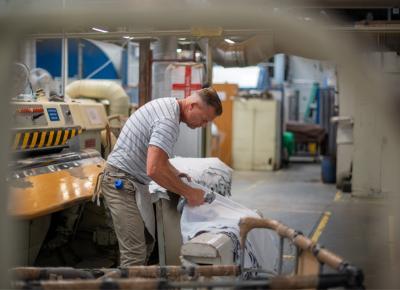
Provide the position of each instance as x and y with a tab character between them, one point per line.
222	216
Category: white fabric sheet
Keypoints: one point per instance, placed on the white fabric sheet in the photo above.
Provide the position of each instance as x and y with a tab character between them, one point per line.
209	172
222	216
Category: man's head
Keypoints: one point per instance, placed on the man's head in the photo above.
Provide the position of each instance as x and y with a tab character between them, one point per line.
200	108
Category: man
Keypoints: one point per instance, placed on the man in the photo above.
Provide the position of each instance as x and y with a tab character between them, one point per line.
141	155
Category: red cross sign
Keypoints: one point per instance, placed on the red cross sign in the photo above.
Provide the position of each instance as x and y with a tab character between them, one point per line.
187	86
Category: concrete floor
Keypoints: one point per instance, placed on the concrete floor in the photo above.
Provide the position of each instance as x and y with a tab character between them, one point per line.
358	228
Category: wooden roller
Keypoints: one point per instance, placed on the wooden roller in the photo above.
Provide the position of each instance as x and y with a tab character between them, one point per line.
122	284
279	282
324	256
178	271
248	223
36	273
170	272
294	282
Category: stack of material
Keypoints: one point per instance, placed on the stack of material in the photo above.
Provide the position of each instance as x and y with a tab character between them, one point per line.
209	172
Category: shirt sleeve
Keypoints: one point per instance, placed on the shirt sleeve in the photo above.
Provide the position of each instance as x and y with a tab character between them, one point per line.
164	135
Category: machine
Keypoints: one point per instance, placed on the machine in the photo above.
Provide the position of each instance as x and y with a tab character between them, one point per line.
55	162
207	248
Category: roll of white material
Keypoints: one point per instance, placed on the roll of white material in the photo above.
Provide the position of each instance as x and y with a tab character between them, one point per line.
101	89
209	172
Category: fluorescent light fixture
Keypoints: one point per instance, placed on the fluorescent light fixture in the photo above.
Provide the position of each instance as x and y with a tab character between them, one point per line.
127	37
179	50
182	38
99	30
230	41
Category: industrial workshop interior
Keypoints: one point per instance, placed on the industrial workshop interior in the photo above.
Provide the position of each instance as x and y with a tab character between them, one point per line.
202	144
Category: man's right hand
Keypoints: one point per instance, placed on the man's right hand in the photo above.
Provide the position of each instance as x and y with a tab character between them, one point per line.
195	197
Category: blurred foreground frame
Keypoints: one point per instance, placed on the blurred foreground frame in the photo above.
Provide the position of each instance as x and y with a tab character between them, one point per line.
268	30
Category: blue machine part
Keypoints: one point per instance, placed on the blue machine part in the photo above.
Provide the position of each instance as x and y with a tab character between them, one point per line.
48	56
311	115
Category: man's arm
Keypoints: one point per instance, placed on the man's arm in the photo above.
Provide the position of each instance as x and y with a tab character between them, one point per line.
179	174
161	171
174	170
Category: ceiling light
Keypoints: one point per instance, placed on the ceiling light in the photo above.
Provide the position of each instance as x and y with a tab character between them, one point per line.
182	38
127	37
179	50
99	30
230	41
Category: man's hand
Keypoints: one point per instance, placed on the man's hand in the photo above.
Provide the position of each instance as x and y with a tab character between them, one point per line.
185	175
161	171
195	197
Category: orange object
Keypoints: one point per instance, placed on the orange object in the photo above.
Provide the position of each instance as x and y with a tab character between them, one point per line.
224	122
30	110
43	194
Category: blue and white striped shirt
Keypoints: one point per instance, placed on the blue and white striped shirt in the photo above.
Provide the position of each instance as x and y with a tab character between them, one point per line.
156	123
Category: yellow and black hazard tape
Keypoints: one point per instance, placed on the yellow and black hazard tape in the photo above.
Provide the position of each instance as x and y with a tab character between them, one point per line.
43	138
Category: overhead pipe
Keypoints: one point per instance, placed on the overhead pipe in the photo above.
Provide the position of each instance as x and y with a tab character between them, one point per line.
265	44
164	49
249	52
259	48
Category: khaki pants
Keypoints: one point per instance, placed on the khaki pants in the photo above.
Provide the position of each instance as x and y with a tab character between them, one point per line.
135	243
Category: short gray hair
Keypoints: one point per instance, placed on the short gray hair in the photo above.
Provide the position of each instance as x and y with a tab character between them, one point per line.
211	98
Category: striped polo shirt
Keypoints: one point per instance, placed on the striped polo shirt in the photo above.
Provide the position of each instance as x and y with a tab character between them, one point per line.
156	123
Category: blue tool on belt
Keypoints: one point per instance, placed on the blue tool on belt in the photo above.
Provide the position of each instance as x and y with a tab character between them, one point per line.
118	184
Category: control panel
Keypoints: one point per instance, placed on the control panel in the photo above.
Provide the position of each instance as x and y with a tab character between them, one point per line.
29	115
53	124
53	114
67	114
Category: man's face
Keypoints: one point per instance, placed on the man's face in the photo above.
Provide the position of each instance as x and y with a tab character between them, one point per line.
199	115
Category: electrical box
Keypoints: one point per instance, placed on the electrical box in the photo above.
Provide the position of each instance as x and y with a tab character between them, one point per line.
256	134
